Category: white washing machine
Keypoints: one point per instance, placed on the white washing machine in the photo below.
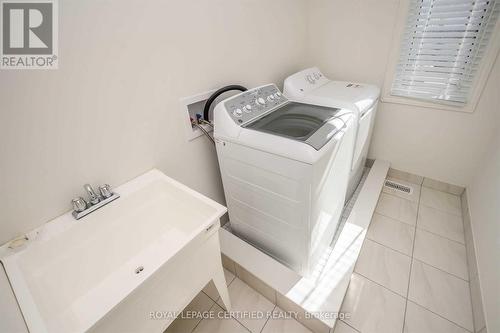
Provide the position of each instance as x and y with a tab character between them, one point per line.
285	168
311	86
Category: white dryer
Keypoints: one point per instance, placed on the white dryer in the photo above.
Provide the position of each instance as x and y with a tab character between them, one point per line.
285	168
311	86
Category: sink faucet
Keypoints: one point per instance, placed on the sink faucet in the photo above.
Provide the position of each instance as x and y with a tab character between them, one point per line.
96	200
93	197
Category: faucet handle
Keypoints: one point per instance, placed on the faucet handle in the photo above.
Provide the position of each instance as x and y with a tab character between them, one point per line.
79	204
105	191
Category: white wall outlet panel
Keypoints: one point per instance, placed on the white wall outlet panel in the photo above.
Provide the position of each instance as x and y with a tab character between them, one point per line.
190	106
194	104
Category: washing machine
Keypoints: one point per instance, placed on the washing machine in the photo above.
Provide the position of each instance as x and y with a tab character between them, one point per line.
311	86
285	167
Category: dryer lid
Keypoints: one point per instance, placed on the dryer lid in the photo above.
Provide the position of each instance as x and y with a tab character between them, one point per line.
312	124
357	96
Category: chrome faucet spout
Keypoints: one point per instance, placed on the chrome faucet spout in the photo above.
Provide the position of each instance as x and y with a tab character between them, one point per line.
93	196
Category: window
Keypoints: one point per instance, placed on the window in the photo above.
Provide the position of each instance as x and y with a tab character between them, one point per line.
441	49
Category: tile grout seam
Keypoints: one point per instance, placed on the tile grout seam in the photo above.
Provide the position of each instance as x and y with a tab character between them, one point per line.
447	238
422	229
236	319
388	247
350	326
411	264
415	226
412	301
440	316
411	260
441	270
380	285
408	300
234	277
267	320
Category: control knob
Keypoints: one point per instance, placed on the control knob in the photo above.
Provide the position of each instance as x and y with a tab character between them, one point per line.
260	101
237	113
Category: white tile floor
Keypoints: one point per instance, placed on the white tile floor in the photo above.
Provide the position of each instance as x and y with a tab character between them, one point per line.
243	299
411	276
412	273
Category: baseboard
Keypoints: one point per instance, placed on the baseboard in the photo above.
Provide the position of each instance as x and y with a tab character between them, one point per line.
474	284
425	181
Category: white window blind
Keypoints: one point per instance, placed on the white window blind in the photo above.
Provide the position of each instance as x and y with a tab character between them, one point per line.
442	46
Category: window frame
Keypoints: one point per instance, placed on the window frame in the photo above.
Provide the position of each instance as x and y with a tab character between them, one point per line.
478	84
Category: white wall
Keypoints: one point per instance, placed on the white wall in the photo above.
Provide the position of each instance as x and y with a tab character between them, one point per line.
351	40
111	111
484	198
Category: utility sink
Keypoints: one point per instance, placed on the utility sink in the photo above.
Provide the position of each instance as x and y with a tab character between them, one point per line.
150	251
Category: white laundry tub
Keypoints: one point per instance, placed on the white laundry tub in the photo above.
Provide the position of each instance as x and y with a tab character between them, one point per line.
151	250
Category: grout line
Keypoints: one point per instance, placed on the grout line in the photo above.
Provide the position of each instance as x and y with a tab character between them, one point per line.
416	221
390	248
234	278
349	325
411	262
435	189
447	238
438	235
395	219
411	266
380	285
440	316
441	210
414	237
441	270
239	322
232	317
198	323
392	218
268	319
236	319
234	267
209	296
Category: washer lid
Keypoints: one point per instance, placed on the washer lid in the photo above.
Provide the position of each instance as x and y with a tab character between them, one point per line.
312	124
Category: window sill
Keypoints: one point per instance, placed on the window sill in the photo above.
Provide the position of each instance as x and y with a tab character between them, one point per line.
468	108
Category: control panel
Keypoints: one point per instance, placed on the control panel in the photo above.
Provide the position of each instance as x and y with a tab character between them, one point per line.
304	81
253	103
313	77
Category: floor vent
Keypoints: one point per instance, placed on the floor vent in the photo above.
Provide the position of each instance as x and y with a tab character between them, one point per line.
398	186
